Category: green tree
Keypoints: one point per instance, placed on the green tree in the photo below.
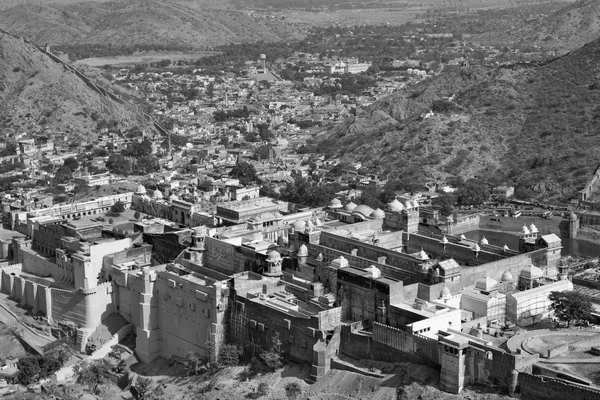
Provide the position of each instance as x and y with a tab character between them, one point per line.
293	390
193	364
272	357
473	192
142	386
92	374
139	149
118	164
570	306
62	175
117	208
245	172
71	163
147	164
29	370
445	202
229	355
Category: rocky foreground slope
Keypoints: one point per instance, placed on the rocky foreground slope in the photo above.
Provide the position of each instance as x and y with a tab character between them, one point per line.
534	126
37	93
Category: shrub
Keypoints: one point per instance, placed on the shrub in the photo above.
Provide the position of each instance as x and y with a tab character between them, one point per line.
229	355
263	389
293	390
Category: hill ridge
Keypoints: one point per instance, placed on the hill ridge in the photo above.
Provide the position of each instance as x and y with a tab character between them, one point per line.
40	91
527	125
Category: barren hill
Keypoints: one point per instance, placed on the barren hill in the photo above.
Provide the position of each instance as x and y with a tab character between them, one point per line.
532	126
564	30
141	22
37	92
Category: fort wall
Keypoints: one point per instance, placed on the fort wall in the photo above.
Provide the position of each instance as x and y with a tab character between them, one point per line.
534	387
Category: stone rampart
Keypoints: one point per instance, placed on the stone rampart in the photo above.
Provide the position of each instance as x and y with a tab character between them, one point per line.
362	345
407	273
506	224
534	387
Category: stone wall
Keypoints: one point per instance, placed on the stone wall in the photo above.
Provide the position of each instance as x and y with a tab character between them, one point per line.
514	264
462	224
506	224
535	387
362	345
407	273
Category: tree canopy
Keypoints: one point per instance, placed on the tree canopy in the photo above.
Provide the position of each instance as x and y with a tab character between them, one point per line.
245	172
445	202
570	306
473	192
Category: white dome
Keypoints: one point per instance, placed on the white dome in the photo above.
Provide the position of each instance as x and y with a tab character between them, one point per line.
506	277
378	214
445	293
350	207
531	272
463	237
303	251
484	241
273	256
476	247
533	228
335	203
299	225
422	255
157	194
395	205
506	248
486	284
140	189
526	230
375	272
444	240
173	197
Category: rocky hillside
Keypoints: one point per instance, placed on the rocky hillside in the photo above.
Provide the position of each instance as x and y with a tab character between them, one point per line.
563	30
38	93
141	22
534	127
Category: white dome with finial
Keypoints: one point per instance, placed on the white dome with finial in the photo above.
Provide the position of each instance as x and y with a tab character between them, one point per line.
395	205
335	203
505	247
378	214
533	228
445	293
422	255
526	230
303	251
506	277
350	207
299	225
140	189
484	241
476	247
463	237
157	194
444	240
486	284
